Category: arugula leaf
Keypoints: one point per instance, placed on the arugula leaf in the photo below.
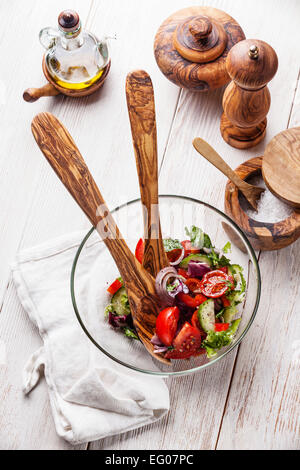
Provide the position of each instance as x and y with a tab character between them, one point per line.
130	333
196	236
170	244
220	313
223	261
227	247
207	241
214	257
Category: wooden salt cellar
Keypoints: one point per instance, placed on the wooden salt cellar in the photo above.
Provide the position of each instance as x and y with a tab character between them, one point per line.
262	235
281	166
191	47
251	64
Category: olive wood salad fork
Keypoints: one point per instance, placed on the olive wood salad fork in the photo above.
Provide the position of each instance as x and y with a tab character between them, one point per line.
61	152
141	110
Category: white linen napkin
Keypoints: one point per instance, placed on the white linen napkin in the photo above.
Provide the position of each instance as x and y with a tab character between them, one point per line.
91	395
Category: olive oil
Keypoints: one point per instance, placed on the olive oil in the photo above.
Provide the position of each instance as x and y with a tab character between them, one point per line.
73	72
75	58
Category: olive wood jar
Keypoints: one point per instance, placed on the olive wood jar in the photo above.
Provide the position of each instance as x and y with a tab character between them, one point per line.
191	47
262	235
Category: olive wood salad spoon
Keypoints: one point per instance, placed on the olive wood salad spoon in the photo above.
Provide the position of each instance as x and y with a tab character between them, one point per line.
251	193
141	110
61	152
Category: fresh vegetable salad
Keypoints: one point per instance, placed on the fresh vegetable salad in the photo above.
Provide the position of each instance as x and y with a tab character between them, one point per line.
201	290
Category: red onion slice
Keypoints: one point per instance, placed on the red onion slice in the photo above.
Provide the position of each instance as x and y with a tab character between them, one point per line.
161	292
158	350
161	284
197	269
156	341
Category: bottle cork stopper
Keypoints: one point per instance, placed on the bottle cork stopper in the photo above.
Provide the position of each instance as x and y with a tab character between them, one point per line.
68	20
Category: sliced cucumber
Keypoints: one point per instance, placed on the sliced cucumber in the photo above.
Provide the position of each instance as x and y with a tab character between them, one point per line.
119	302
229	313
236	272
206	315
196	257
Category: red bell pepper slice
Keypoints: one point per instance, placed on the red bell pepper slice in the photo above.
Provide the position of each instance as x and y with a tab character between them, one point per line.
115	286
221	326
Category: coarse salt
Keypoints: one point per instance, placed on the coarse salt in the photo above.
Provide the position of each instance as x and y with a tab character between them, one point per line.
270	209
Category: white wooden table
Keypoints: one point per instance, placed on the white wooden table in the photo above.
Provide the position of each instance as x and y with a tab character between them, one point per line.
249	400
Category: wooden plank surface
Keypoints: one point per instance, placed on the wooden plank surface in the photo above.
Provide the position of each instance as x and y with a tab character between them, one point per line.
248	400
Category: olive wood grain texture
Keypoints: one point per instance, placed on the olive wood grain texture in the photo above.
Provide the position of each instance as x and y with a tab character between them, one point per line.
52	88
186	73
242	138
251	64
281	166
251	193
32	94
61	152
262	235
200	39
141	109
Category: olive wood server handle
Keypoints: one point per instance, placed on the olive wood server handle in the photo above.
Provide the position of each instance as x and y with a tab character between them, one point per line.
61	152
215	159
63	155
32	94
141	110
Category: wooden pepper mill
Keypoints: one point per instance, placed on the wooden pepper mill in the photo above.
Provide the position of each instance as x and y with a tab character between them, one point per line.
251	64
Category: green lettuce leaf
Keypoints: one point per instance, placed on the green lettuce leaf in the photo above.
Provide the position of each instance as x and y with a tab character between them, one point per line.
216	340
170	244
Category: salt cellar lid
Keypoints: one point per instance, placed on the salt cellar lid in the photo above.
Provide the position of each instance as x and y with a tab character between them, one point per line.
191	47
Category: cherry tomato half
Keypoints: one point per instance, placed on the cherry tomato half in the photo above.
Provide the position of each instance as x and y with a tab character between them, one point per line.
193	284
166	325
115	286
215	283
190	301
189	248
221	326
186	344
139	250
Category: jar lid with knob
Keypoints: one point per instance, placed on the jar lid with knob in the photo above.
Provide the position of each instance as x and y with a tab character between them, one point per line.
191	47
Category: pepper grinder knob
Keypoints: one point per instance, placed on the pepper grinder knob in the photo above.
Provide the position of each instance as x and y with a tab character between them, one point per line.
253	52
251	64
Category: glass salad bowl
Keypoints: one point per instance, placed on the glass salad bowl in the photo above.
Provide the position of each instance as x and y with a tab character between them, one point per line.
94	270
